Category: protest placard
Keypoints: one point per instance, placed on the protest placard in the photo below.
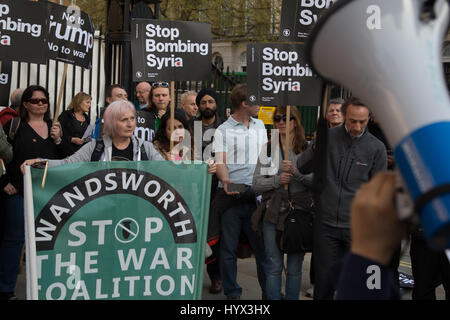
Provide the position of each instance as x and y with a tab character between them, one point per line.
37	31
117	230
170	50
266	114
22	30
69	35
5	82
298	17
278	75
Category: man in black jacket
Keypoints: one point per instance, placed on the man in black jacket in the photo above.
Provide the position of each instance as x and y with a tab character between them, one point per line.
353	156
364	273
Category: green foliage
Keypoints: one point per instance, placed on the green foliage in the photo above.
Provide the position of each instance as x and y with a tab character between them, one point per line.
252	20
96	9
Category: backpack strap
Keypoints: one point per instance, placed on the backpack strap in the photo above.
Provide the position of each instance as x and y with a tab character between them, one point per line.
14	127
100	147
144	156
98	151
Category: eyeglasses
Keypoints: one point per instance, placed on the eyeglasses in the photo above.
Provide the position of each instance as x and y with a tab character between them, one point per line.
36	101
279	118
160	84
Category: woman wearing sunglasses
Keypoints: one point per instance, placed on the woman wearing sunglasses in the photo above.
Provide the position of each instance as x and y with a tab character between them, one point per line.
34	136
271	175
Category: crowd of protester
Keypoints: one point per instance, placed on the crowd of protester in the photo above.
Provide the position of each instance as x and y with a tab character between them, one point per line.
273	174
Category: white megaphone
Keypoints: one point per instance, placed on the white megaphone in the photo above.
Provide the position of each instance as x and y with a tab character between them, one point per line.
388	53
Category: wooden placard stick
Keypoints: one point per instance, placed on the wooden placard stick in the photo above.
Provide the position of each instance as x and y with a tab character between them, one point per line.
60	94
287	146
172	112
45	175
58	107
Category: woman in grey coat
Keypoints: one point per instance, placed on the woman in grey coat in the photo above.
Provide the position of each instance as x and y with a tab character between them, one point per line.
271	175
119	142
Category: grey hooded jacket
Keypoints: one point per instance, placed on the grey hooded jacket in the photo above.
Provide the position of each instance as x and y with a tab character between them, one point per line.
85	152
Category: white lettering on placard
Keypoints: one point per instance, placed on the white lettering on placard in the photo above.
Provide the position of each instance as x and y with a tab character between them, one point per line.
307	17
319	4
160	32
71	33
157	42
279	86
16	26
4	10
164	62
5	40
291	69
4	77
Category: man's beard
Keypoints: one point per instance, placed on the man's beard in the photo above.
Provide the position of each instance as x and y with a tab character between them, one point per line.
207	113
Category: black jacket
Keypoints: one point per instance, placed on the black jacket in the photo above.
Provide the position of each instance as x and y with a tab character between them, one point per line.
72	128
350	163
27	144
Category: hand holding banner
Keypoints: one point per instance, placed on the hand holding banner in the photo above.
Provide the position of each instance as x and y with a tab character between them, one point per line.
117	230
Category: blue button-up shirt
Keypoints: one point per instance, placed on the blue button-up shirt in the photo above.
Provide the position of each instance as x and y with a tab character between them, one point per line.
242	146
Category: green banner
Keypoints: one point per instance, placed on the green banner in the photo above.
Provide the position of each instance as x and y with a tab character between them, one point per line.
120	230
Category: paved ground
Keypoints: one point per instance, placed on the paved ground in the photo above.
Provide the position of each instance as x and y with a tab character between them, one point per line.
248	281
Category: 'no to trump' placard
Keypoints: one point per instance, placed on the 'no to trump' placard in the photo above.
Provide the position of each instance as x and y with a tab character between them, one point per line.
118	230
37	31
278	75
70	35
170	50
298	17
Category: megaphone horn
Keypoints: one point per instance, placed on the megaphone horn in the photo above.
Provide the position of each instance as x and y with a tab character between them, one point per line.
388	53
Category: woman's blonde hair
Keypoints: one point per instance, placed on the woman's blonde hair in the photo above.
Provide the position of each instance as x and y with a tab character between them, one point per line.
113	113
77	100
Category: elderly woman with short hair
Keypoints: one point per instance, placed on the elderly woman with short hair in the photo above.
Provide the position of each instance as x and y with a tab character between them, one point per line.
119	142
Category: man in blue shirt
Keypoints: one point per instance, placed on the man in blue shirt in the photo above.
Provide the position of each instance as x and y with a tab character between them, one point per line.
237	144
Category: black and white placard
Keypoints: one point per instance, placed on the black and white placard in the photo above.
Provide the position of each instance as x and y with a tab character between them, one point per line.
70	35
22	31
298	17
37	31
5	82
278	75
170	50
